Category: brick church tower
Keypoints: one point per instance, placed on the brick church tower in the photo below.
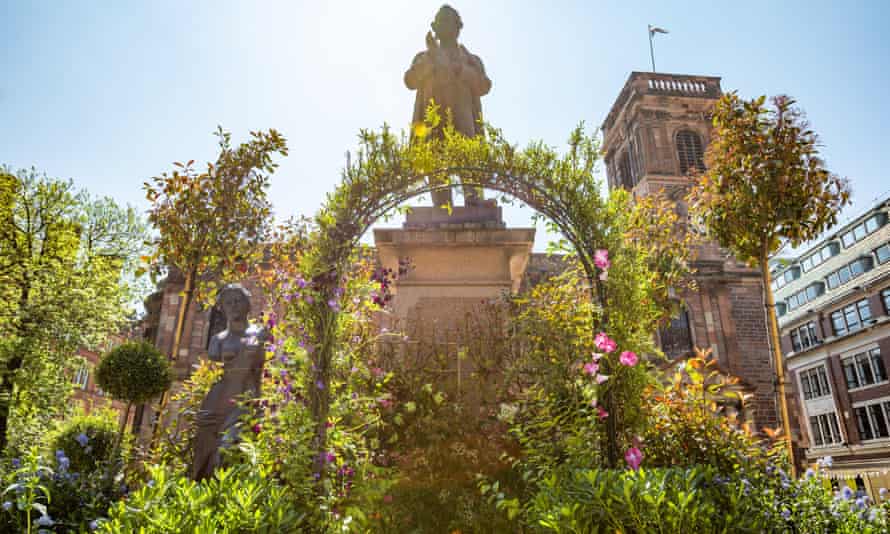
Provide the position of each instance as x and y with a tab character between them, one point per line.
654	135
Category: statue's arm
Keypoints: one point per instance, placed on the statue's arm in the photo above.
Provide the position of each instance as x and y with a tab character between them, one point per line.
421	69
475	76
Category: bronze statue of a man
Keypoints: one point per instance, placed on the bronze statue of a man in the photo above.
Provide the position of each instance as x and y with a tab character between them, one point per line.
452	77
242	353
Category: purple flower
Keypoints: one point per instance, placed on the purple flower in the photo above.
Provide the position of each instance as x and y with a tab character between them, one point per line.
330	457
809	473
319	384
334	305
883	493
846	493
633	457
83	439
45	521
601	259
16	463
604	342
786	514
7	505
94	524
628	358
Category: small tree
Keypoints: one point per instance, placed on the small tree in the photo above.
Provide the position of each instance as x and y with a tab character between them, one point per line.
66	279
134	373
765	186
212	223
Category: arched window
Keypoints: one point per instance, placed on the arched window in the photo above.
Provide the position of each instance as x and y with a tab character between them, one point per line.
689	151
676	336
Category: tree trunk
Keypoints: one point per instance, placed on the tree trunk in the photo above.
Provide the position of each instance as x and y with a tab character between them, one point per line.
775	347
7	387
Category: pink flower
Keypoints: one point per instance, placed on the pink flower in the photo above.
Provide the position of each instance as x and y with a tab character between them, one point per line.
601	413
628	358
633	457
601	259
597	356
257	428
590	368
604	342
604	276
601	378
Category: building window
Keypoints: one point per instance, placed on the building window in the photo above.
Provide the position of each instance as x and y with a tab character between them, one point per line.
885	296
883	253
821	256
871	420
804	337
864	369
825	430
786	277
82	376
849	272
625	177
850	318
689	151
814	383
863	229
805	295
676	337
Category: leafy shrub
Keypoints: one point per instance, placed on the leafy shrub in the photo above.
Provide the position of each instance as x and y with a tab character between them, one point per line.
86	440
46	494
687	424
176	446
134	372
238	499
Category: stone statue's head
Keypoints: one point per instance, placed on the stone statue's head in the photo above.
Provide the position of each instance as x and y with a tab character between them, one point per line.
447	23
234	301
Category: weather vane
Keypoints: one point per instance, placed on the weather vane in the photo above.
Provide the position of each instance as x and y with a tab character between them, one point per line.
652	31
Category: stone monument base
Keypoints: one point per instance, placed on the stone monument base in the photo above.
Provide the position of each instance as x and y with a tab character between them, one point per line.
455	260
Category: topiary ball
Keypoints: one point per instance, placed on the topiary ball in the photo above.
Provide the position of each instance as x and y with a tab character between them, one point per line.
134	372
86	441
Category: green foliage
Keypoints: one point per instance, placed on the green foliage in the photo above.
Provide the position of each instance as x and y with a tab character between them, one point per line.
134	372
210	223
86	440
765	186
66	282
691	420
765	183
647	500
49	496
388	170
238	499
176	446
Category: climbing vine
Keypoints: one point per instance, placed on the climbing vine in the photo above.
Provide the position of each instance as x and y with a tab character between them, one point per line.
628	276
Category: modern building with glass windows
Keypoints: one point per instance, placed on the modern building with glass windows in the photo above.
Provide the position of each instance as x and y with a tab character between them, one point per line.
833	303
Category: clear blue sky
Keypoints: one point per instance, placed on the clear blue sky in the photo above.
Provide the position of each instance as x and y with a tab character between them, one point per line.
111	93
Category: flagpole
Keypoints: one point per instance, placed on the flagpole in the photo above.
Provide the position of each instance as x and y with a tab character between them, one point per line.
651	48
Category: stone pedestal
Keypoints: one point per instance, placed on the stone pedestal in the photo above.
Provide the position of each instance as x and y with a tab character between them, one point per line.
458	260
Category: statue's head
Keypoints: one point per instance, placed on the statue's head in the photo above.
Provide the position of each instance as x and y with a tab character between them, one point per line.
234	301
447	23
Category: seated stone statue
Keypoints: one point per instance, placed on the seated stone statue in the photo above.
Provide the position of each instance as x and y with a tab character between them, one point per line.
242	353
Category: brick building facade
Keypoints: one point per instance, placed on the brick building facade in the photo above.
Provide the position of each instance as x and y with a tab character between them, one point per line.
653	138
833	302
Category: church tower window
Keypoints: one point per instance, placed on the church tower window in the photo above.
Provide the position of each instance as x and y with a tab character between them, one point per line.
689	151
